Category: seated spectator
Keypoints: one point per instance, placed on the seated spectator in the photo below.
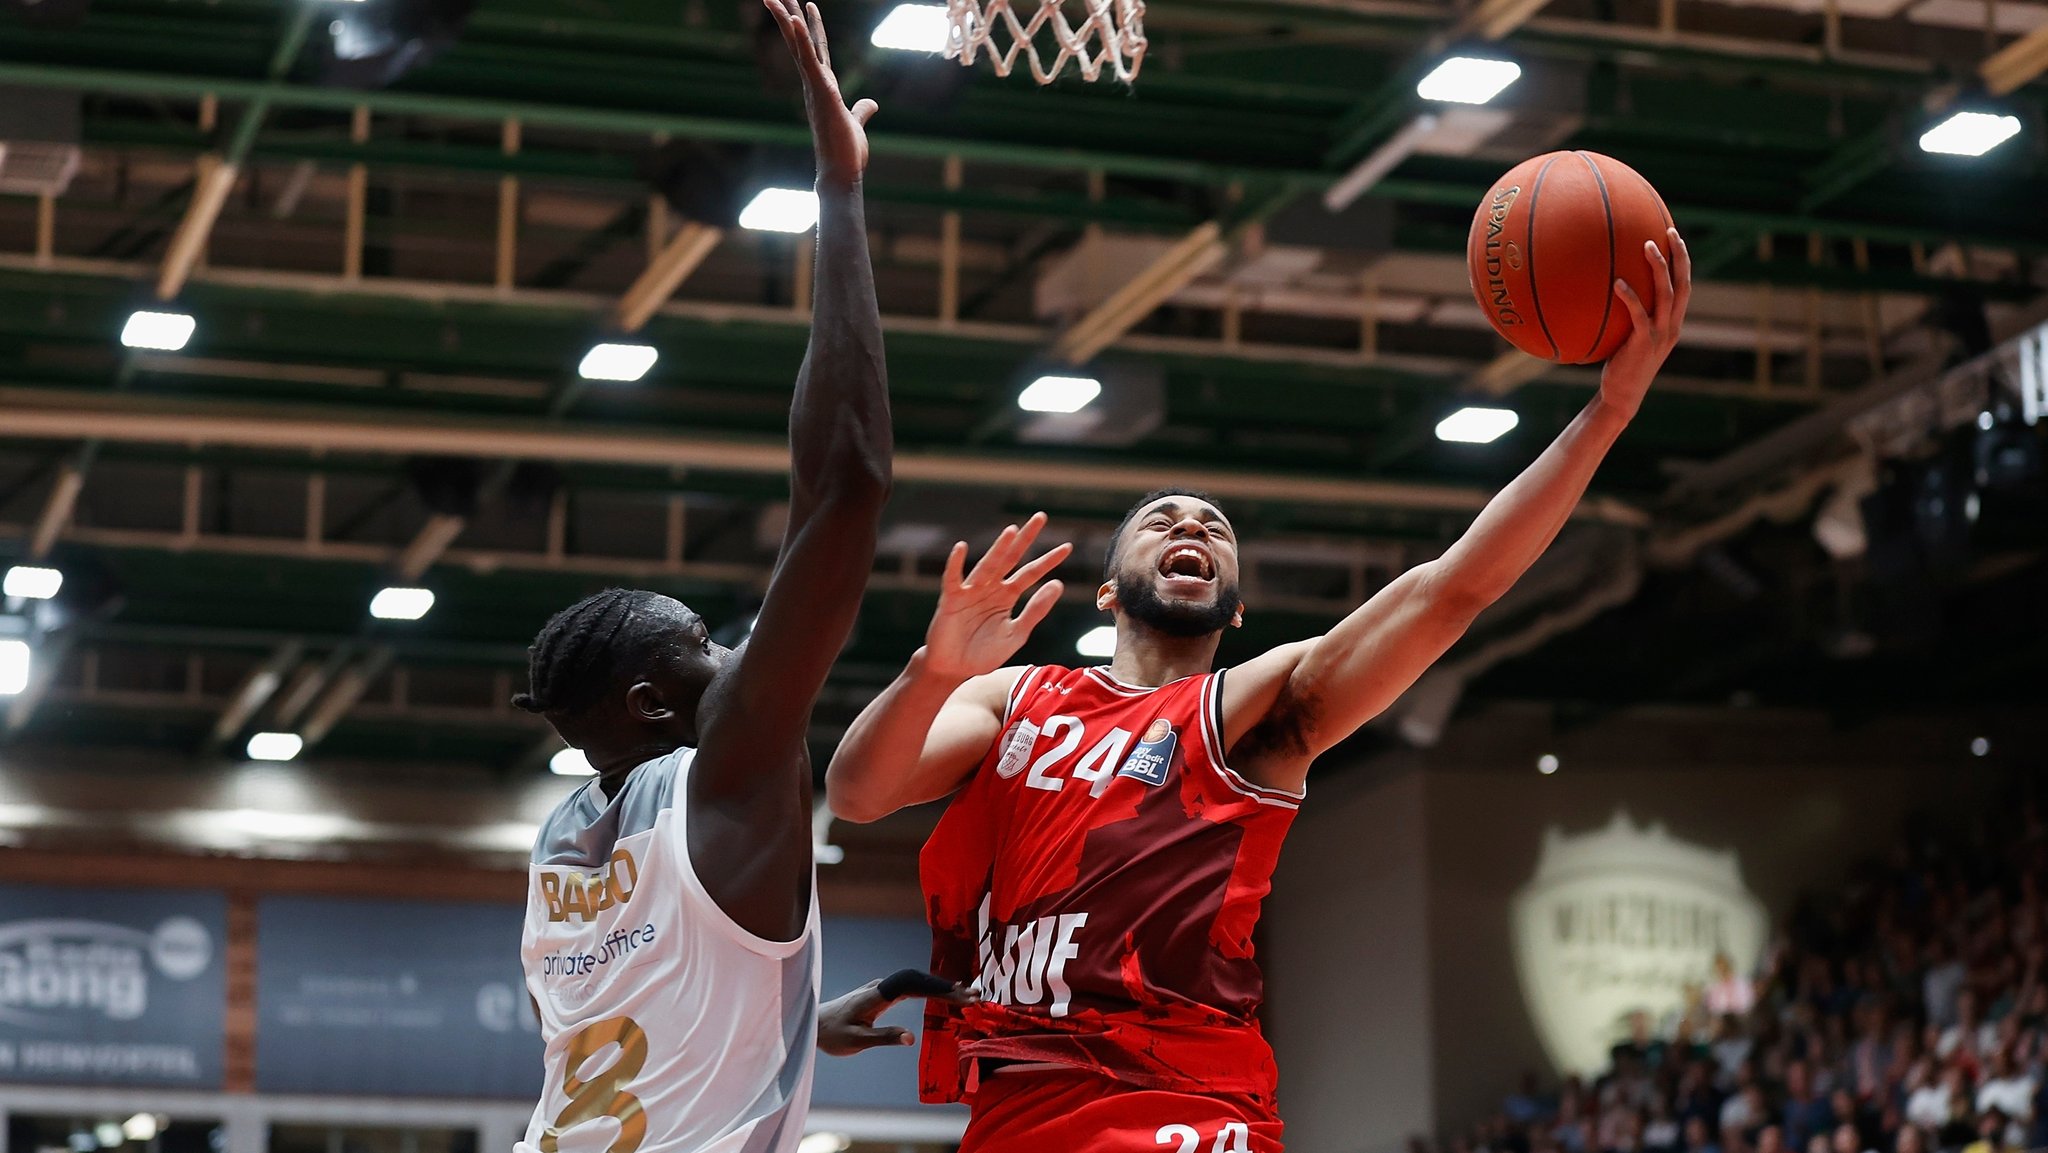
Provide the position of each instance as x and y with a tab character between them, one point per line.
1846	1139
1941	984
1642	1048
1742	1111
1660	1132
1927	1102
1620	1131
1527	1103
1730	993
2009	1091
1699	1138
1971	1034
1731	1048
1990	1134
1958	1128
1807	1114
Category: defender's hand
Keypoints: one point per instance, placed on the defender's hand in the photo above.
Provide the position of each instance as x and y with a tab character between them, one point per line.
974	632
846	1025
839	133
1634	365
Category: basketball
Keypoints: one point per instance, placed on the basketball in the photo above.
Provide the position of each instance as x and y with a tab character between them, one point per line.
1547	245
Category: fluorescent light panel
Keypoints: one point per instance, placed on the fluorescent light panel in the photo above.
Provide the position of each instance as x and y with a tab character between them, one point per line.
627	362
1475	425
32	583
1099	641
571	763
913	28
1059	394
275	746
1468	80
14	663
162	331
1969	134
781	210
401	604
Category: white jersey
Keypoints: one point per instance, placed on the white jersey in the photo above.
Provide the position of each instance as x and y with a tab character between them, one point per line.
669	1028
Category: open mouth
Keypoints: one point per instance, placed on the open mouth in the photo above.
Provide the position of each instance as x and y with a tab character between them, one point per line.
1187	562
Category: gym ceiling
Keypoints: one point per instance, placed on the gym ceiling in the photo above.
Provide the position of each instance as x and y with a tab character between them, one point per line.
395	272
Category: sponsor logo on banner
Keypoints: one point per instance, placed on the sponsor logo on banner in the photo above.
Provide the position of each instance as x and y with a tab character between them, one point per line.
106	987
52	971
1624	919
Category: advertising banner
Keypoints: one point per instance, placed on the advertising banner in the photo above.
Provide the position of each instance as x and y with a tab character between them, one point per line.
390	997
112	987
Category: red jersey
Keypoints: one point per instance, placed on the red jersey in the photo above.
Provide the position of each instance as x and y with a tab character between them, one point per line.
1100	877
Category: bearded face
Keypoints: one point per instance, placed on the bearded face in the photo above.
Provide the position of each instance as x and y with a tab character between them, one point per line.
1176	568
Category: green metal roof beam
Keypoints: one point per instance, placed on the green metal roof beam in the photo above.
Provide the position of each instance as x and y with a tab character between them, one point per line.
628	121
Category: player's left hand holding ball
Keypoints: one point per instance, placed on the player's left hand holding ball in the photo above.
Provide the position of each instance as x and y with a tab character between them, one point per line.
846	1025
840	132
1634	365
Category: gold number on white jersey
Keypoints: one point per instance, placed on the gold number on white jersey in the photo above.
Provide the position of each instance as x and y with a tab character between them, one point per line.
603	1095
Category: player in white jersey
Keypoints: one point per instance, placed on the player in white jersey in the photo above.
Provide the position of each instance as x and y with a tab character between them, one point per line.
671	940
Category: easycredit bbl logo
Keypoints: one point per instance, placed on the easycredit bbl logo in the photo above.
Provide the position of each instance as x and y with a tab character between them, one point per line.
53	971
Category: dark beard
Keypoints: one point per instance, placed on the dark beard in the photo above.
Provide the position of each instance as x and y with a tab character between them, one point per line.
1142	603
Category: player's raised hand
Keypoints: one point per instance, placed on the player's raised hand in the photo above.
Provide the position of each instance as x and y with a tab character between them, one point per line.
839	132
1634	365
975	631
846	1025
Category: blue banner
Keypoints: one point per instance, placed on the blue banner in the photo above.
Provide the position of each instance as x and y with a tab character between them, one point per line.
388	997
112	987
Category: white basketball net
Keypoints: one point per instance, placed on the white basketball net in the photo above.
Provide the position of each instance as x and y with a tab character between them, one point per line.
1111	36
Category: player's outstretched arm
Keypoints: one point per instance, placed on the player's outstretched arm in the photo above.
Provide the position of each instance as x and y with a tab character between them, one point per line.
933	725
750	786
1326	688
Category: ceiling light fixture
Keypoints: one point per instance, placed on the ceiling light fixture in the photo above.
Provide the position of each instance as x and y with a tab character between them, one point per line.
160	331
625	362
30	582
1969	134
913	28
1468	80
14	665
1059	394
1099	641
401	604
1475	425
275	746
781	210
571	763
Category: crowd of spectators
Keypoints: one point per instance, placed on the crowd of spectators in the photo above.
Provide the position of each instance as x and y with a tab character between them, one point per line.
1906	1014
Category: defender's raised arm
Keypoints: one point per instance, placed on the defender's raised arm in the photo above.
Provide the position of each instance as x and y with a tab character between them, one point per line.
750	773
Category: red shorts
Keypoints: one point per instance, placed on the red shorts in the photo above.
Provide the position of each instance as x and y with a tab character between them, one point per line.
1072	1111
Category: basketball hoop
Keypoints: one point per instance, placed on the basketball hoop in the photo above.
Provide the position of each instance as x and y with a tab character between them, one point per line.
1110	35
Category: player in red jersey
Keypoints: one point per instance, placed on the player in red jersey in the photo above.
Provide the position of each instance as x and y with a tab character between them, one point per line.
1099	871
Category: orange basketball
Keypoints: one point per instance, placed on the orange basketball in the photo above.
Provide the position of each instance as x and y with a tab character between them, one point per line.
1550	240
